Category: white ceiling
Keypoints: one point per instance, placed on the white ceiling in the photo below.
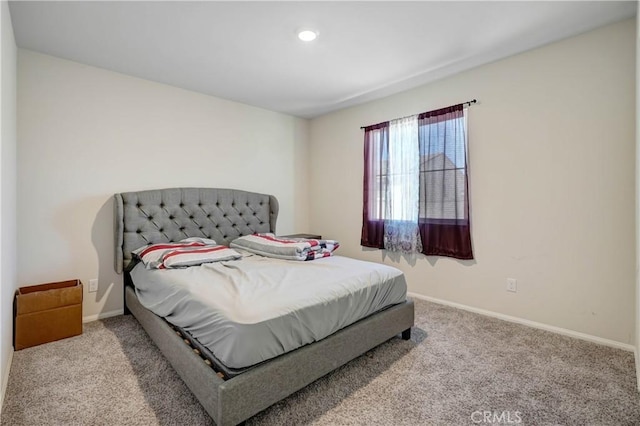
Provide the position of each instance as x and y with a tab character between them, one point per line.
248	51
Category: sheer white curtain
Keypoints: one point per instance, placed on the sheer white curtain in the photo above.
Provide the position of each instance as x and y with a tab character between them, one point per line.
401	231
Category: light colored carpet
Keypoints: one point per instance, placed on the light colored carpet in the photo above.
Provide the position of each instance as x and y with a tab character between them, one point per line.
456	364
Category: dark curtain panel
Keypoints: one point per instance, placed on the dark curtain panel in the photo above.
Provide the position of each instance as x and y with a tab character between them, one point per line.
376	148
444	202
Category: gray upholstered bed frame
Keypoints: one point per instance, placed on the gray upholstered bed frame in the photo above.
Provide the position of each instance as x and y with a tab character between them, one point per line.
166	215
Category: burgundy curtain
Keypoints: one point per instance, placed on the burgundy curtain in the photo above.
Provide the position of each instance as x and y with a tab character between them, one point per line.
444	223
376	146
443	217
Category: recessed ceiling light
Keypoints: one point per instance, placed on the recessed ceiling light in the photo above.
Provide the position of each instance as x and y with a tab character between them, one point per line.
307	35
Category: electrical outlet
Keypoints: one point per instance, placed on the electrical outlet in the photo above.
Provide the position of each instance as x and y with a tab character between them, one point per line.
93	285
512	284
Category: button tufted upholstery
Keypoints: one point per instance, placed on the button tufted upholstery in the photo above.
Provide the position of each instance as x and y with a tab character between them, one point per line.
166	215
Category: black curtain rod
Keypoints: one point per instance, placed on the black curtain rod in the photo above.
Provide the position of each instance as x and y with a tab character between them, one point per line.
468	103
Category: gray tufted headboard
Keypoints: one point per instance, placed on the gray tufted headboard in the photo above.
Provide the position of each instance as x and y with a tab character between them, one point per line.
166	215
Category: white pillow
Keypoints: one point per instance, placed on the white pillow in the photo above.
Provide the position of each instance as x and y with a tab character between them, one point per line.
200	239
152	253
191	256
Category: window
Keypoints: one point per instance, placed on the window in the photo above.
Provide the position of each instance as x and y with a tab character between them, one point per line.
443	167
415	185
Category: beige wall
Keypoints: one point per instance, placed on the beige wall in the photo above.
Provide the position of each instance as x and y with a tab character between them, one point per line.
8	274
86	133
552	184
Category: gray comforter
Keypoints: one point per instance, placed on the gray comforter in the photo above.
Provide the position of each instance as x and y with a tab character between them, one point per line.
250	310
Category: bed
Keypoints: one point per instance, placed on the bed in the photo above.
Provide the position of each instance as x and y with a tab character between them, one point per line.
233	395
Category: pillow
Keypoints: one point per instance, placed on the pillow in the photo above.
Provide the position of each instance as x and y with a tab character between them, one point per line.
191	256
200	240
152	253
188	252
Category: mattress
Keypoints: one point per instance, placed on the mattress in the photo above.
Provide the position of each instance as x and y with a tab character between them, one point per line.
250	310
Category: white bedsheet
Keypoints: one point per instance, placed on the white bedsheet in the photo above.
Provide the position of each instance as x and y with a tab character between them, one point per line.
249	310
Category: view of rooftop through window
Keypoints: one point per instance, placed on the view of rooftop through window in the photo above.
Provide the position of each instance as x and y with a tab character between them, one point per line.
441	168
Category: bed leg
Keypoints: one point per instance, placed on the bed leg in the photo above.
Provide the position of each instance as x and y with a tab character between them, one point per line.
126	310
125	282
406	335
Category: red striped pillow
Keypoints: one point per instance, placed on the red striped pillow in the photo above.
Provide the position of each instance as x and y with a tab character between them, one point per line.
191	256
152	253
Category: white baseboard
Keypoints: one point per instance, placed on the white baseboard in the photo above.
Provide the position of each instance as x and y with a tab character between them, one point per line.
102	315
5	379
541	326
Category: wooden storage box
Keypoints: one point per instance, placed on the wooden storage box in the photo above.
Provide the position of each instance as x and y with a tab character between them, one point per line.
47	312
